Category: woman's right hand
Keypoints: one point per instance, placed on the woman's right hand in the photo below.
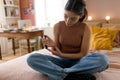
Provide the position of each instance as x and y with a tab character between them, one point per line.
48	41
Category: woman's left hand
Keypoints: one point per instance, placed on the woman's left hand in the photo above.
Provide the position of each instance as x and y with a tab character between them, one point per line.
56	51
92	50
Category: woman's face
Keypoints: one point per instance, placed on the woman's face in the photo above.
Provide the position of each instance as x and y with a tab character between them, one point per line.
71	18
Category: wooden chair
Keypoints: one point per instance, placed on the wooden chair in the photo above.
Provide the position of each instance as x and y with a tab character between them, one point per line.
23	45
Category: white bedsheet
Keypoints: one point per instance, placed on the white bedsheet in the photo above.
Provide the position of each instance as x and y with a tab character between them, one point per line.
17	69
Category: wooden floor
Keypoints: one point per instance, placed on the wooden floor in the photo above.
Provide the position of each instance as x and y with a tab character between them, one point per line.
12	56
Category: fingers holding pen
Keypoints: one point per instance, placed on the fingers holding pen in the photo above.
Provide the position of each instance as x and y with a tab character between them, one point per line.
47	41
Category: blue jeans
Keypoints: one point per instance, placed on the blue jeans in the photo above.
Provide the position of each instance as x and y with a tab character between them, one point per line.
57	68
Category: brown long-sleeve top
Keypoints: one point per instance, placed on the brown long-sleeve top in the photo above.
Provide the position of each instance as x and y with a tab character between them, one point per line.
72	39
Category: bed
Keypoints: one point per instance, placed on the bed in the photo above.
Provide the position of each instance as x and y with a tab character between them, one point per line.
17	69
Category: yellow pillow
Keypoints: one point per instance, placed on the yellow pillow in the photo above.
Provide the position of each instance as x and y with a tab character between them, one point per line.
102	38
95	29
113	33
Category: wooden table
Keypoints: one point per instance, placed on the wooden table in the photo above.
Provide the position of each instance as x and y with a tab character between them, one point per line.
21	35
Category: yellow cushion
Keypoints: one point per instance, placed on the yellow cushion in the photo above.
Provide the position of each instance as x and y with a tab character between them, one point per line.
95	29
102	38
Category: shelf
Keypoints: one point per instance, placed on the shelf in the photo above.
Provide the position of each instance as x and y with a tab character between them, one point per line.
15	6
12	17
11	13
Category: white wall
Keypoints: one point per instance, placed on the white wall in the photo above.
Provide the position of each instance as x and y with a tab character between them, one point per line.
49	31
98	9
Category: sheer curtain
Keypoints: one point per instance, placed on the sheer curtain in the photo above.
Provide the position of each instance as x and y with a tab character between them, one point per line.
48	11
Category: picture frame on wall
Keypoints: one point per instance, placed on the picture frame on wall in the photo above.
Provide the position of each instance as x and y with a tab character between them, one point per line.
9	2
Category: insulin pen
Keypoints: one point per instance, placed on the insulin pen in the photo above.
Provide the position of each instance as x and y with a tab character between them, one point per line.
46	45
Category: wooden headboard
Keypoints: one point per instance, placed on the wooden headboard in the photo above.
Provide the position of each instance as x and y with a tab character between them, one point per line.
104	23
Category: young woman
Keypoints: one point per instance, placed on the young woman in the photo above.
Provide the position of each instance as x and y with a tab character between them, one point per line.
71	45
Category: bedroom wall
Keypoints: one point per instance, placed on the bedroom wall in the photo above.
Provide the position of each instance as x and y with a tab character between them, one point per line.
98	9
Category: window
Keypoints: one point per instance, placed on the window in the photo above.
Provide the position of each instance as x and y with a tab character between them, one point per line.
40	12
48	11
